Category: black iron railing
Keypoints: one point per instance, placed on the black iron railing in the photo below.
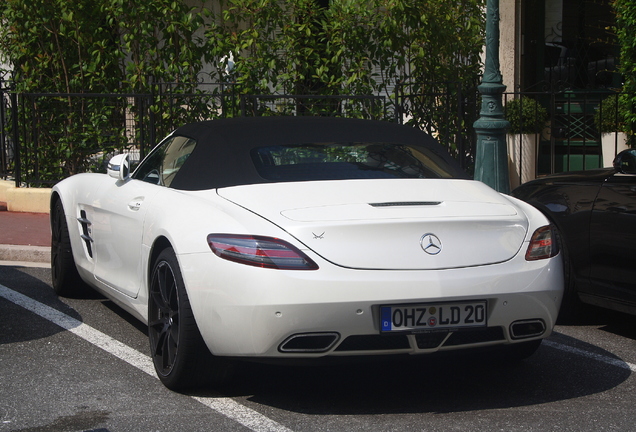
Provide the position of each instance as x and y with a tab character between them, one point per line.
45	137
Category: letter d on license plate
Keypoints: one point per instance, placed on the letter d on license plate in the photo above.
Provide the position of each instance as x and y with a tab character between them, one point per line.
433	316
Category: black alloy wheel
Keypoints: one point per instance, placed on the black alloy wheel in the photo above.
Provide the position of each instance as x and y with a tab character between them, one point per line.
572	308
180	356
164	319
66	279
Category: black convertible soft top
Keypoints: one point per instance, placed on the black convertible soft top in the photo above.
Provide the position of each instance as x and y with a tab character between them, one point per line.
222	155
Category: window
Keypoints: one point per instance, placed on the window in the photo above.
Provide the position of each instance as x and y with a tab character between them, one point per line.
334	161
161	166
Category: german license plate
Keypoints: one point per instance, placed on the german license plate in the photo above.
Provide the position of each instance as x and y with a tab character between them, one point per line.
422	317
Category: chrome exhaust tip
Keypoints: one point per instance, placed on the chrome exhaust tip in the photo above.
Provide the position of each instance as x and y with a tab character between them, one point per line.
309	343
527	328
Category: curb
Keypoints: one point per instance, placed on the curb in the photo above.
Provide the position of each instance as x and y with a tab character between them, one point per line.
36	254
34	200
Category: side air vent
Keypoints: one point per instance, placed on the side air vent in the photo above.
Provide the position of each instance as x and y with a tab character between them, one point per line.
86	232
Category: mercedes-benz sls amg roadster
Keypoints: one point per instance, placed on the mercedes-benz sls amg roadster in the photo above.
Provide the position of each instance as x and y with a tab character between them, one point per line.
291	238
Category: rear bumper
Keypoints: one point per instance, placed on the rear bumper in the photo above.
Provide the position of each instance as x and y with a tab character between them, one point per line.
251	312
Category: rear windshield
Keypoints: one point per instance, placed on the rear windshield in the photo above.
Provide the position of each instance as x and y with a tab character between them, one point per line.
335	161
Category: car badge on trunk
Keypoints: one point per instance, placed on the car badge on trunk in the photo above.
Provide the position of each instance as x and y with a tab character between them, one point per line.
431	244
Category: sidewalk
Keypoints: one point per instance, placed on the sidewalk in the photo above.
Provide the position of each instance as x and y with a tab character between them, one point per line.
24	237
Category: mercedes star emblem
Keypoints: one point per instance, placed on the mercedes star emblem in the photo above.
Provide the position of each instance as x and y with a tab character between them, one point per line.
431	244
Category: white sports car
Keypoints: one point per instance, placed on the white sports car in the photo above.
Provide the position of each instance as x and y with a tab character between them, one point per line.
288	238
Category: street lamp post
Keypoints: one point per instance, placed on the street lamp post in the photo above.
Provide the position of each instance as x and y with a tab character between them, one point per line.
491	160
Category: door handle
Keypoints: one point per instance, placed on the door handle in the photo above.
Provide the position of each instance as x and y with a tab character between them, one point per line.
135	204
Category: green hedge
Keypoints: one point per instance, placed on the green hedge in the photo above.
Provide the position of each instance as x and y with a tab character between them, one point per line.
298	47
626	32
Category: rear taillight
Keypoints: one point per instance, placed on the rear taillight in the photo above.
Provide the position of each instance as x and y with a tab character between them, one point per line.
542	245
266	252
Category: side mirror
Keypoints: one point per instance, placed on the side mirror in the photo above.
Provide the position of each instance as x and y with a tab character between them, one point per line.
625	162
119	166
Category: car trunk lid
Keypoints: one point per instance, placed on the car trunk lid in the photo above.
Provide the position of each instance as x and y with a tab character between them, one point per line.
406	224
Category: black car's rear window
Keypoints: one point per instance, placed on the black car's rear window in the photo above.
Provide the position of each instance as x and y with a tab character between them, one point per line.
359	160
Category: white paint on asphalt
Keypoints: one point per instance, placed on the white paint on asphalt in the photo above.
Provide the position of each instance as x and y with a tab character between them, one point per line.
242	414
225	406
598	357
24	264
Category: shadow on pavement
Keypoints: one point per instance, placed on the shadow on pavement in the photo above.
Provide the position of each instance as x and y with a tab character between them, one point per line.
19	324
445	384
618	323
457	382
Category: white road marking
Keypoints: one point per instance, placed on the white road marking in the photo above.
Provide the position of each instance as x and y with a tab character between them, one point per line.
24	264
598	357
225	406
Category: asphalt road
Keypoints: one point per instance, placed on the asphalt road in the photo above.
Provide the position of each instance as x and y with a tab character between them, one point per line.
82	365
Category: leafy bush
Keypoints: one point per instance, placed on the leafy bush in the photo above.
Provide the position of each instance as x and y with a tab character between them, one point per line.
88	46
350	47
610	115
357	47
525	115
626	32
296	47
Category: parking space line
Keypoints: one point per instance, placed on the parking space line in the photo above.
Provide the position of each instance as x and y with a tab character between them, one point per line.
225	406
598	357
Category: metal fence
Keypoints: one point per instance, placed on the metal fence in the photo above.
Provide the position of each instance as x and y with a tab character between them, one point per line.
446	111
7	146
564	131
366	106
47	137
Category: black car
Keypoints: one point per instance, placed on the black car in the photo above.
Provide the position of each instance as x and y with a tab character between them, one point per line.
595	213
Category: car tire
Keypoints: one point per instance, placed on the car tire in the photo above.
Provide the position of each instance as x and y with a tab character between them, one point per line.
180	356
571	309
66	280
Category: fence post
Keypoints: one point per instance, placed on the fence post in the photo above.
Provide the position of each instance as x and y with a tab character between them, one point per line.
140	102
16	139
3	146
398	103
152	127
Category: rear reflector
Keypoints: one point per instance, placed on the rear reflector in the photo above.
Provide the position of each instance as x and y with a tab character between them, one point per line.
266	252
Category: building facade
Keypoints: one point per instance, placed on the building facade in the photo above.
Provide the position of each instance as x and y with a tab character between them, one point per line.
564	54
